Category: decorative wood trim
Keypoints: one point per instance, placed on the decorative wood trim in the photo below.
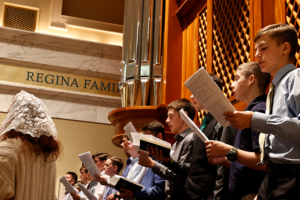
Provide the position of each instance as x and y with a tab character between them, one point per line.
209	31
139	116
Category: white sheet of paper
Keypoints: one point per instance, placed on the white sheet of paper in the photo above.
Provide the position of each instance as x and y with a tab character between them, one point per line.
87	193
87	160
192	125
67	185
209	94
128	129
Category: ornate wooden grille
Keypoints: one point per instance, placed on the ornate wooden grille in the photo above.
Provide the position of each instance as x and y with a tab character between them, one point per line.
231	40
202	47
202	38
20	18
293	19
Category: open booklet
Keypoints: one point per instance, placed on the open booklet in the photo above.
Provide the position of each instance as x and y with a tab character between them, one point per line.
128	129
192	125
87	160
209	94
87	193
119	182
140	142
67	185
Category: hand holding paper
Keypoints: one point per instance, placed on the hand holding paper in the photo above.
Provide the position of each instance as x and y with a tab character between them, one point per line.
89	195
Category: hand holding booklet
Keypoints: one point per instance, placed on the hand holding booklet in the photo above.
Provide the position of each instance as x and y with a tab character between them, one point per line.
89	163
209	94
67	185
87	193
119	182
192	125
140	142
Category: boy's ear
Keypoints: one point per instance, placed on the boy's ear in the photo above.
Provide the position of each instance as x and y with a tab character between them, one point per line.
286	48
251	79
186	113
159	136
116	168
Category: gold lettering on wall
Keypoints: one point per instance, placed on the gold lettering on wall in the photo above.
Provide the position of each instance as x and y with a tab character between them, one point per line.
60	81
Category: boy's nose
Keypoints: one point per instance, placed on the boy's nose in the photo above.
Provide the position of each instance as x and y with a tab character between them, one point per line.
257	54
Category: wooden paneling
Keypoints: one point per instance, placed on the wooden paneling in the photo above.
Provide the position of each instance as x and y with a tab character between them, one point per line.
172	62
209	32
189	53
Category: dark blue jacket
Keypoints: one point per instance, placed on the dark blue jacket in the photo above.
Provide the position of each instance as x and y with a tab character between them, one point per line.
154	185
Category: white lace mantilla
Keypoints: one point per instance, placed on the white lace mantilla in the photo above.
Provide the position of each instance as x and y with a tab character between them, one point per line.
29	115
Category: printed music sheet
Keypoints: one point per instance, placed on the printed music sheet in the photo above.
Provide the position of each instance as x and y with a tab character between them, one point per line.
209	94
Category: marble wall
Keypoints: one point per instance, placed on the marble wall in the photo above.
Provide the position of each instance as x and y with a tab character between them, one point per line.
60	54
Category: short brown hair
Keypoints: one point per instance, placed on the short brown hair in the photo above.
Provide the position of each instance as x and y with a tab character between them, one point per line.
185	104
74	176
125	136
216	79
116	161
252	68
281	33
101	155
83	168
155	128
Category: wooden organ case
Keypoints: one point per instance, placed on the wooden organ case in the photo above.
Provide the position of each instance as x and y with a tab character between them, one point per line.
215	34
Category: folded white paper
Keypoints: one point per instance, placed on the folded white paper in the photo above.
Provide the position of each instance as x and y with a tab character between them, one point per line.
87	193
89	163
192	125
209	94
67	185
128	129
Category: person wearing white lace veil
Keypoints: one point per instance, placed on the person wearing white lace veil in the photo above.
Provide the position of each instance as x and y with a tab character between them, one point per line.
29	115
29	148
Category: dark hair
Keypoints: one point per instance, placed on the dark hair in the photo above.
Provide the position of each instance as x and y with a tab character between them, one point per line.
155	128
83	168
252	68
117	161
125	136
185	104
281	33
101	155
45	145
216	79
74	176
